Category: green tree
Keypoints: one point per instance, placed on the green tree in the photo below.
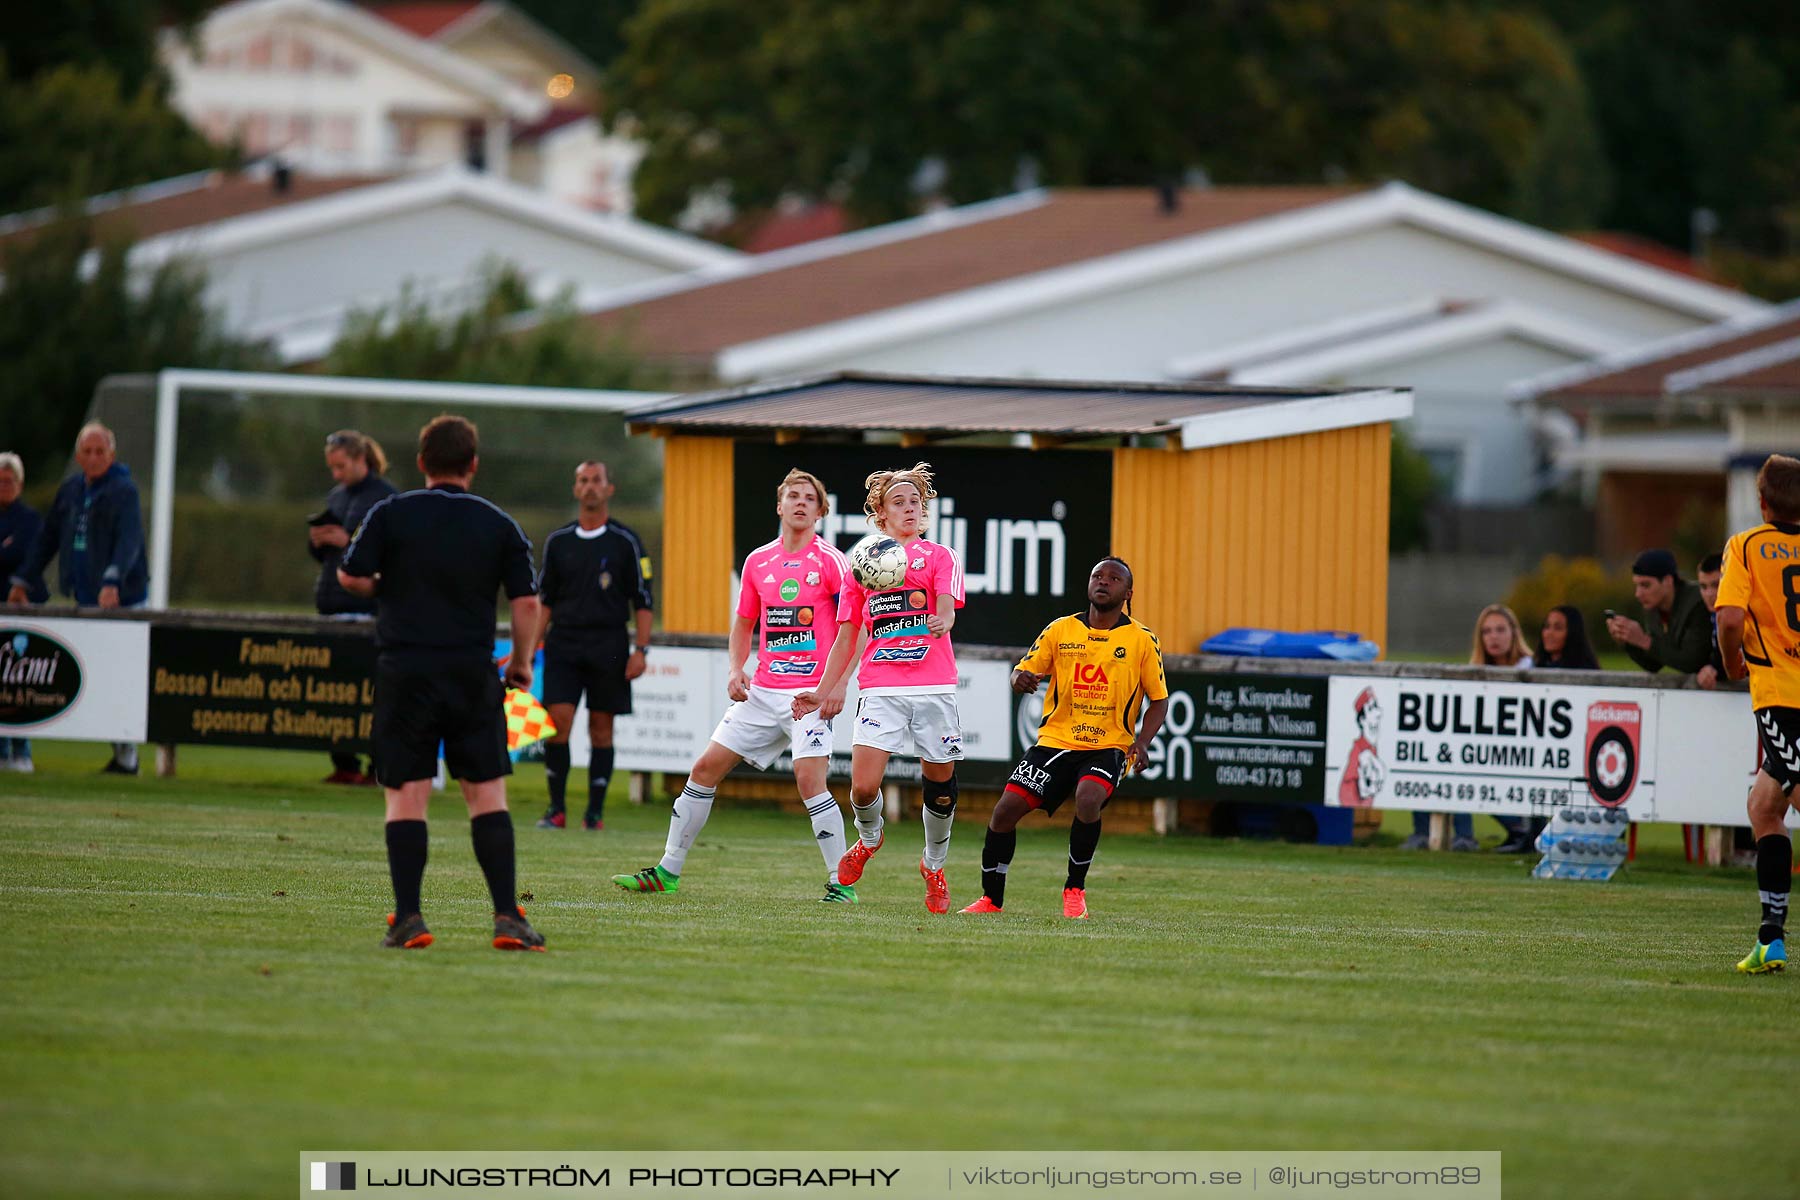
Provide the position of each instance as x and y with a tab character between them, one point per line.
1411	490
502	337
71	132
119	35
1697	106
877	104
72	310
594	27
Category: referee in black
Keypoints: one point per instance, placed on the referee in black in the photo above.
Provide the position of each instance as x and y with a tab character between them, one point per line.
436	557
596	595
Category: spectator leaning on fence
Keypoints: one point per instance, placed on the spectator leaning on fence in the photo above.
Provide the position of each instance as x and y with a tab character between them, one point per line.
357	465
1677	630
1706	578
95	531
19	529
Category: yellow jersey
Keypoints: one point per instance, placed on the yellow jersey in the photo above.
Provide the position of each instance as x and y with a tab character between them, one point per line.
1762	577
1097	679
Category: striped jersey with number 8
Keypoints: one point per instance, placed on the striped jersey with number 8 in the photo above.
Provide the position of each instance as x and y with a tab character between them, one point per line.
1762	577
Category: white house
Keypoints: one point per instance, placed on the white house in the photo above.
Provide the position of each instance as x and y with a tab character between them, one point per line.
331	86
1313	286
288	256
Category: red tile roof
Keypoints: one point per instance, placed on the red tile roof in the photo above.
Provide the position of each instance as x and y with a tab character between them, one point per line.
779	230
1652	252
215	198
1645	378
427	17
1072	226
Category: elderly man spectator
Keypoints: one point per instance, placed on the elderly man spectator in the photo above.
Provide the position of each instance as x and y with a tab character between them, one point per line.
1677	630
95	531
19	529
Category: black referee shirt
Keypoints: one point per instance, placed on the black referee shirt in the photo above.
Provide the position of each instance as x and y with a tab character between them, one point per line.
594	580
441	553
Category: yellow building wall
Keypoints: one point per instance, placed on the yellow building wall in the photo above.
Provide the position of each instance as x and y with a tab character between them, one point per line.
695	591
1289	533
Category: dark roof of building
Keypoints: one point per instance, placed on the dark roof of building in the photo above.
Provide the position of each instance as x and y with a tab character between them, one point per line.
1750	354
1646	250
187	203
1068	227
860	401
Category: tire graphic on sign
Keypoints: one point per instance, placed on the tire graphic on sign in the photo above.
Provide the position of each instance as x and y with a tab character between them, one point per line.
1612	751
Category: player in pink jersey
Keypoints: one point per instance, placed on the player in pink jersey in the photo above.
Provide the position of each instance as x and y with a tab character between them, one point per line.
791	588
906	675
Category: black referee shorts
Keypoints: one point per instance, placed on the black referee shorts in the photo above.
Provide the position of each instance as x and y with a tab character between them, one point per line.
590	661
422	703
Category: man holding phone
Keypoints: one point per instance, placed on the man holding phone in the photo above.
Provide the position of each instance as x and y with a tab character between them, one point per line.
1676	631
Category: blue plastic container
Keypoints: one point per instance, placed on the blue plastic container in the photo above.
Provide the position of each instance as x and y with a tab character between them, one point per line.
1280	643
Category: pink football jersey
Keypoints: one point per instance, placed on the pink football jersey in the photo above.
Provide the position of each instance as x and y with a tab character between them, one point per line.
796	597
902	658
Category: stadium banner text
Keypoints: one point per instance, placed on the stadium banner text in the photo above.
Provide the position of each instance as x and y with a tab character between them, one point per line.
913	1174
1015	518
293	691
74	679
1513	748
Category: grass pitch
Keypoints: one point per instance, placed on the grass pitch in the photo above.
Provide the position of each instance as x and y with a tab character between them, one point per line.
191	993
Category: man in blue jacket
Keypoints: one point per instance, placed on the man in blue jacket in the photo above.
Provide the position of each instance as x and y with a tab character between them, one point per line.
95	531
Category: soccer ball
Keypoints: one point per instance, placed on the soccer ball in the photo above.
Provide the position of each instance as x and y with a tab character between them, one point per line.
878	562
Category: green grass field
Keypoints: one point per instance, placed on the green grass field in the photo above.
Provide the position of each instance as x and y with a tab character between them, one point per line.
192	993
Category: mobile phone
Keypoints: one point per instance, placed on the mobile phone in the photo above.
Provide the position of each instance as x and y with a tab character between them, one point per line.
1609	613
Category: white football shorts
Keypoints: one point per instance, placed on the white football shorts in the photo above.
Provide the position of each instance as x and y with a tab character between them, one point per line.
930	723
760	728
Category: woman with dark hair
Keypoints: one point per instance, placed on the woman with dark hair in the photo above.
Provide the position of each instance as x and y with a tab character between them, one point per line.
1563	646
357	465
1563	642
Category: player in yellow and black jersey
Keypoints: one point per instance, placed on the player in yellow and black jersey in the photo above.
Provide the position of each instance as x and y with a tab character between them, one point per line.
1102	667
1759	632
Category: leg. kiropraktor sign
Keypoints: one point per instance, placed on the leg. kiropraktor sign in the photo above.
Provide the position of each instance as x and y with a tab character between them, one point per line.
74	679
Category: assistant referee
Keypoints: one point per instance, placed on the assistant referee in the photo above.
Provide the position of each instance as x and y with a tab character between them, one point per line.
596	583
436	557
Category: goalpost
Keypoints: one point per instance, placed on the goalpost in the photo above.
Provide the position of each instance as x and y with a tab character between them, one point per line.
167	390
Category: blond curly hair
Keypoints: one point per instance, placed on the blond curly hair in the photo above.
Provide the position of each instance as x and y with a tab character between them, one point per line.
880	483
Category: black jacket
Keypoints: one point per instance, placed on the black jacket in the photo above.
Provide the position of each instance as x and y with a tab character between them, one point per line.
349	505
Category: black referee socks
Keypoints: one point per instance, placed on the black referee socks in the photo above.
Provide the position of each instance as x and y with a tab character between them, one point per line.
406	847
600	769
556	772
492	834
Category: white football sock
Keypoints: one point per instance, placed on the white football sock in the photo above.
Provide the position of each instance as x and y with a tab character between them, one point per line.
828	829
686	819
868	820
937	838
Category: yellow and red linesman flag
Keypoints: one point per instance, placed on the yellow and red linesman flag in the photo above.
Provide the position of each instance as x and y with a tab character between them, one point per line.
527	720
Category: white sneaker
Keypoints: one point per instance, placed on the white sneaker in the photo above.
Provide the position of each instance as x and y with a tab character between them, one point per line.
23	766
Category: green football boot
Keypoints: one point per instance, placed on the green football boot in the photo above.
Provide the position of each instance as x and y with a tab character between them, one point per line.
650	879
838	893
1765	958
